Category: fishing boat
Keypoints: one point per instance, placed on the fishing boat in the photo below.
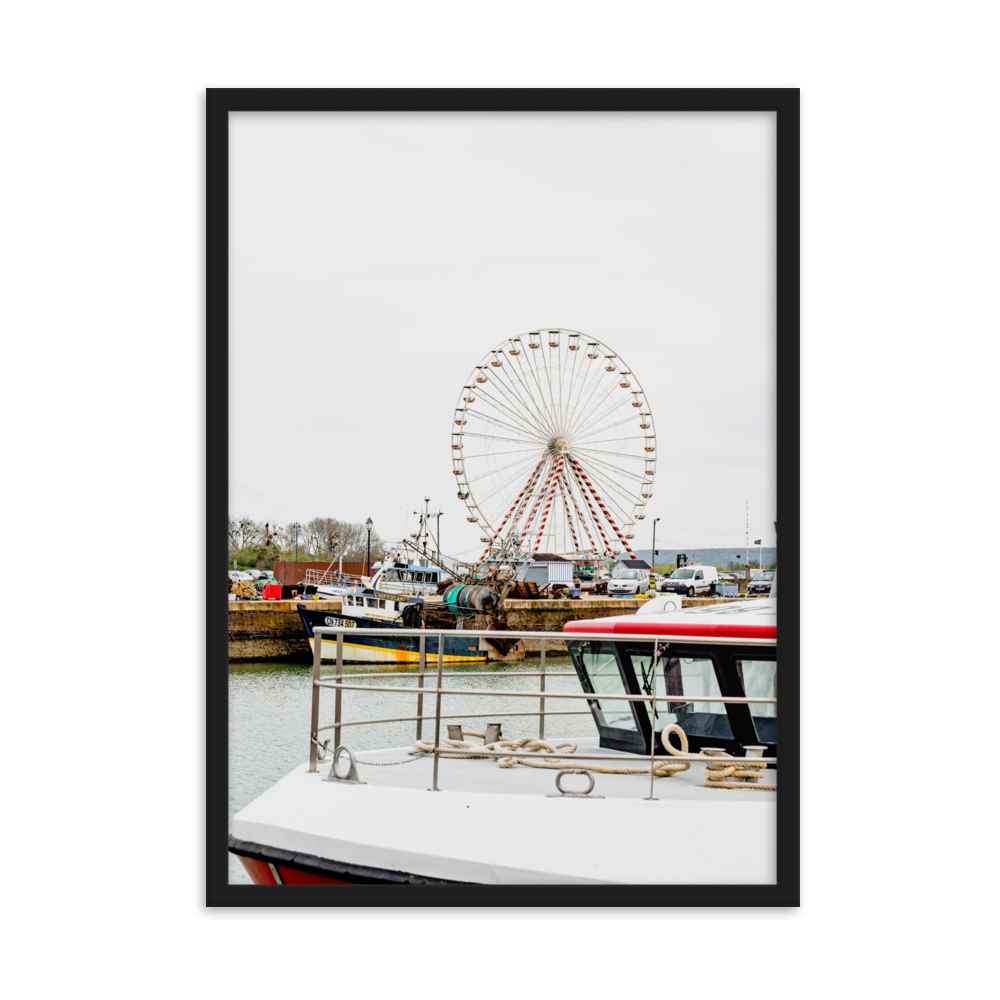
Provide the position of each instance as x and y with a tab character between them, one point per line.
681	754
392	611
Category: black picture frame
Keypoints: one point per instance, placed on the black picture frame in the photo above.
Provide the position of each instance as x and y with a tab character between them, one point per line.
220	103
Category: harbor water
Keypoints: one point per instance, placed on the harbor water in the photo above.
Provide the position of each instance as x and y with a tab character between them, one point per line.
269	706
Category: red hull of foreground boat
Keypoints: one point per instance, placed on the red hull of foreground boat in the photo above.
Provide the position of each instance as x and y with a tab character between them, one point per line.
261	874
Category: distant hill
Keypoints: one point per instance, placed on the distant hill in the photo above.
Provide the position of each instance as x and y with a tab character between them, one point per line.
711	557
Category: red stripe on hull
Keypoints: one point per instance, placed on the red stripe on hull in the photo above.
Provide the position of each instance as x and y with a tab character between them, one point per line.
260	874
632	627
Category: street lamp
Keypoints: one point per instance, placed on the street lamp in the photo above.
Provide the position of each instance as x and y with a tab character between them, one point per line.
655	519
296	526
368	557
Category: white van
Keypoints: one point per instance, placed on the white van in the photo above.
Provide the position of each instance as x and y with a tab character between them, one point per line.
691	581
628	582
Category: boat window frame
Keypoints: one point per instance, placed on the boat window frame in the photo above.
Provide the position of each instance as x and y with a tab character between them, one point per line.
611	737
769	654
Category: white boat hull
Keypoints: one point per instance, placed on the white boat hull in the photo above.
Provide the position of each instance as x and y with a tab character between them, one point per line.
689	835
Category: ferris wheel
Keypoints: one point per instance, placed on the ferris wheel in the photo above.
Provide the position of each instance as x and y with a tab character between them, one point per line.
554	447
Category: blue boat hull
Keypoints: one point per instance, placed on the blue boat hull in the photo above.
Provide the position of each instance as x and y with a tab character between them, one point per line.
391	648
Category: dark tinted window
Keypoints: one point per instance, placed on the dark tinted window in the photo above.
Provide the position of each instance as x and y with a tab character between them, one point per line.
687	677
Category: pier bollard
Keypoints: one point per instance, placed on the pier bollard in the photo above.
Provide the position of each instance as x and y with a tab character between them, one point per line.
719	752
750	753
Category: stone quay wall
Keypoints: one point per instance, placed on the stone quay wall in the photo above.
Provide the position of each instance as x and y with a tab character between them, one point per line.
272	630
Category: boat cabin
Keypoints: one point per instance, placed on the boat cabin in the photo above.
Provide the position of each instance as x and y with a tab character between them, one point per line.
422	575
727	650
378	605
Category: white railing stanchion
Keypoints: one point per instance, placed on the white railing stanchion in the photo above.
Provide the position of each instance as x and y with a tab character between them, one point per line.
420	683
314	724
541	701
437	711
339	695
652	735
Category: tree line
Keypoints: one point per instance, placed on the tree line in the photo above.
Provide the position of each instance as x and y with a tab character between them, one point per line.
258	544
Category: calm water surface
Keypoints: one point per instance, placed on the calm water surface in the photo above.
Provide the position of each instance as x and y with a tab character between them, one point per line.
269	705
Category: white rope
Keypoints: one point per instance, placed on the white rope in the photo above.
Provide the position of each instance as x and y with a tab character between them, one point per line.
459	749
717	773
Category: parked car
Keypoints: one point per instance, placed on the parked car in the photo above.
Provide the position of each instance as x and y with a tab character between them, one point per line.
691	581
628	582
239	574
761	582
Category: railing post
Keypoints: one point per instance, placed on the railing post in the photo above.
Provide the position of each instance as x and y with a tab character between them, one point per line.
541	701
437	711
314	723
339	695
420	684
652	738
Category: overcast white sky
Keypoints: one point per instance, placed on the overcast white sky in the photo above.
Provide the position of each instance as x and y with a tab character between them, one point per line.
376	257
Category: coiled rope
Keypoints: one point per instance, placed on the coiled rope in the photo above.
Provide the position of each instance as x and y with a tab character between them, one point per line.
528	744
718	775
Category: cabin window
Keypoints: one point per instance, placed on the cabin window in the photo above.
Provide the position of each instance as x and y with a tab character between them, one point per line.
760	680
687	677
602	667
381	603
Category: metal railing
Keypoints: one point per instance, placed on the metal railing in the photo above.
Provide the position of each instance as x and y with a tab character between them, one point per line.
317	577
338	686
